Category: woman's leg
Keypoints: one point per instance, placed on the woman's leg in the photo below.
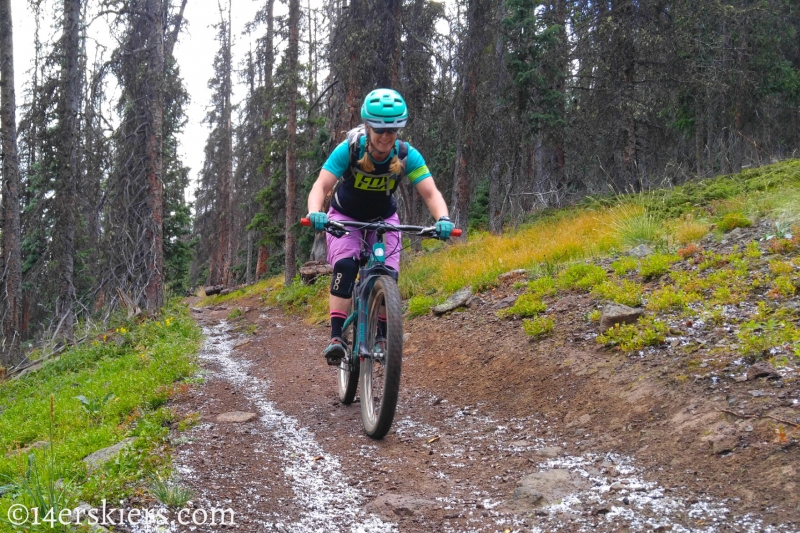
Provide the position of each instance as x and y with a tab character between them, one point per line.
343	255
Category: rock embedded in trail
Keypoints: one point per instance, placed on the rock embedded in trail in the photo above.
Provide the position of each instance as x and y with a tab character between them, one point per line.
619	314
581	421
724	444
762	370
548	487
549	452
457	300
236	417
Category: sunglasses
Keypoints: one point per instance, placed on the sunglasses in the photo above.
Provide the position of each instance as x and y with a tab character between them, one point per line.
381	131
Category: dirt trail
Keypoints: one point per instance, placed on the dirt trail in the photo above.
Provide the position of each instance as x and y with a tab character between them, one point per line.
493	433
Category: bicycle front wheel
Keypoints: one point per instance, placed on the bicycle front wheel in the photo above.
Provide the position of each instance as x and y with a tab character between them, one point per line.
380	373
348	368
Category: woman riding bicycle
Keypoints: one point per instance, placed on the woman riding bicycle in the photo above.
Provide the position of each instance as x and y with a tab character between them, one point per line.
368	166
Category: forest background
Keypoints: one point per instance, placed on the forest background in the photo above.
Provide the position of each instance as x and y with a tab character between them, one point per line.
518	106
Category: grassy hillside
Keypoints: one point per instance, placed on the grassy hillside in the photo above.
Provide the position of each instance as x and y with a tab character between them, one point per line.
667	220
95	395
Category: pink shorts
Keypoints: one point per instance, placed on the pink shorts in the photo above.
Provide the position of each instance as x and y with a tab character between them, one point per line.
349	246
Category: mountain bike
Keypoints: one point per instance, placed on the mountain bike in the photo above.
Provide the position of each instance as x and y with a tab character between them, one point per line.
374	361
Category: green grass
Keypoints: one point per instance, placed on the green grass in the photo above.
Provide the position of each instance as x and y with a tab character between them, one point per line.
309	300
637	225
102	392
421	305
170	494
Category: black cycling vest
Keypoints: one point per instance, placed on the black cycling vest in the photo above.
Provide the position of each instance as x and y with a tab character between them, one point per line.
368	195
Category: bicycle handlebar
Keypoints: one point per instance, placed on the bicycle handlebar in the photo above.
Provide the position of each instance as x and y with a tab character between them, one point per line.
425	231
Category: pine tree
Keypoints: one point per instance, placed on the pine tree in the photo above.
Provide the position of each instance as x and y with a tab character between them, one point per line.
11	273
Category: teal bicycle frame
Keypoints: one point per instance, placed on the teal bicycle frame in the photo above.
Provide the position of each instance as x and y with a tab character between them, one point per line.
375	266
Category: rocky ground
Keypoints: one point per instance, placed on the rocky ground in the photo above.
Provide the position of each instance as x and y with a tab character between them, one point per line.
494	431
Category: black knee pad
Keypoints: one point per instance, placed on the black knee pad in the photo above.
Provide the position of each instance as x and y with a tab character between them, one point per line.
344	277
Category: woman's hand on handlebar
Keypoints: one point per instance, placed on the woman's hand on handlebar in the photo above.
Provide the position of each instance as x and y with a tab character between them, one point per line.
444	227
318	220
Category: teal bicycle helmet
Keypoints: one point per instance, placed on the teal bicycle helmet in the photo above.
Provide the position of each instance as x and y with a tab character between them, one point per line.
384	108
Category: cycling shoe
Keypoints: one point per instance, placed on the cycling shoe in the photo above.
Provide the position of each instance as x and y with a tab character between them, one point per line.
335	351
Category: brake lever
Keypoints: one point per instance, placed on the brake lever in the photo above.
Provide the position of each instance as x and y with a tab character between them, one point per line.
336	229
428	232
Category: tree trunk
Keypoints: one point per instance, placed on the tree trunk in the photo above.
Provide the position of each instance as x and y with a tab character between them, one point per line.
11	273
394	41
475	45
248	276
154	291
623	69
66	186
222	254
292	52
227	228
261	262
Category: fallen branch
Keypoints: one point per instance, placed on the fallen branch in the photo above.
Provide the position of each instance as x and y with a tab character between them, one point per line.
16	371
781	420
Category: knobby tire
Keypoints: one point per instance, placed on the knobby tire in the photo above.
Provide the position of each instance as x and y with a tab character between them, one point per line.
380	381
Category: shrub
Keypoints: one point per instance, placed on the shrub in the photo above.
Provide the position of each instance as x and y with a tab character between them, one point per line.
729	286
539	326
782	287
526	305
752	251
715	316
669	298
581	276
656	265
689	251
544	286
712	260
733	220
687	281
780	267
623	265
623	292
757	338
781	246
630	337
